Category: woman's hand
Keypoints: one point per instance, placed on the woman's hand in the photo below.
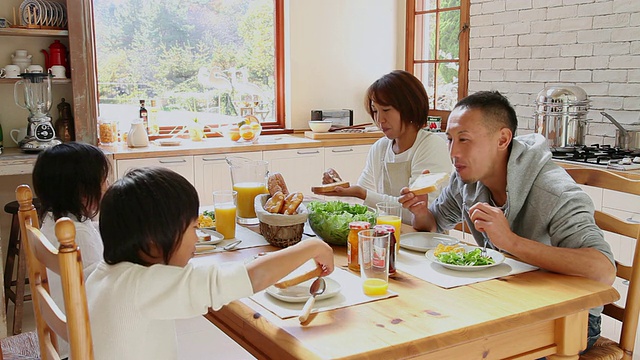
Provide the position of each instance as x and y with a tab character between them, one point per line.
356	191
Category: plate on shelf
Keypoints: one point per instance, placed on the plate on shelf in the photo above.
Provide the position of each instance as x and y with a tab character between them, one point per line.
423	241
300	293
497	257
169	142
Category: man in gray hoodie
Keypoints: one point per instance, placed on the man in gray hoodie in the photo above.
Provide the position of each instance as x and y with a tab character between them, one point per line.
508	190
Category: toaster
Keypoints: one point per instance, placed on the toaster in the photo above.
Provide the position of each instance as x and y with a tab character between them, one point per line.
339	118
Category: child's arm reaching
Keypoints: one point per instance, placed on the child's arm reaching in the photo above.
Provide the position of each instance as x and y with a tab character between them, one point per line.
266	270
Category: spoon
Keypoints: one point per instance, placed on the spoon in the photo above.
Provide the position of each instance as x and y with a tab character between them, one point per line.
232	245
317	288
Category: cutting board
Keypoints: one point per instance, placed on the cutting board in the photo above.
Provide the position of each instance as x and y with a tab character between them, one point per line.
343	135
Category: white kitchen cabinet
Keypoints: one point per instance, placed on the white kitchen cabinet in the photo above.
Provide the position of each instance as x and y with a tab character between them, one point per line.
348	161
301	168
212	173
183	165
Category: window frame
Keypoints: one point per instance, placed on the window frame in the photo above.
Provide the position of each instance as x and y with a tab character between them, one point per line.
84	81
463	56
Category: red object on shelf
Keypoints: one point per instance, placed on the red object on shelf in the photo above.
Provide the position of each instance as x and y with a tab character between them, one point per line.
57	55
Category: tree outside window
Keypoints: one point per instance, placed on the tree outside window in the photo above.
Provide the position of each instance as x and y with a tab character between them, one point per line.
211	60
437	49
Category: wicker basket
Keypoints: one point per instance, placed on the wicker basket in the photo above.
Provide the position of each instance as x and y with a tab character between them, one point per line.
278	229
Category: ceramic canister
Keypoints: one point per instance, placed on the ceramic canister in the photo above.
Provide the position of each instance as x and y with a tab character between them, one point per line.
22	59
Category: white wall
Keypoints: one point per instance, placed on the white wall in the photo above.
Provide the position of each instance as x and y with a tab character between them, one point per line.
335	50
520	46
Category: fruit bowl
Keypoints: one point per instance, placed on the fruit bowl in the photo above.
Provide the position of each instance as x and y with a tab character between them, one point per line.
246	131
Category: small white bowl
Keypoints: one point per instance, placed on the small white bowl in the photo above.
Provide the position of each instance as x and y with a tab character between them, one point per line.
320	126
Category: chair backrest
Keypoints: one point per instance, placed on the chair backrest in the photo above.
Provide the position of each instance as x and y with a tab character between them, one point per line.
628	315
72	326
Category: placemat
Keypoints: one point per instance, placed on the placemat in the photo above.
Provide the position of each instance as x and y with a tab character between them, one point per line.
416	264
350	294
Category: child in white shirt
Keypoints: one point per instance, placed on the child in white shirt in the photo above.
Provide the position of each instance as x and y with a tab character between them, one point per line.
148	221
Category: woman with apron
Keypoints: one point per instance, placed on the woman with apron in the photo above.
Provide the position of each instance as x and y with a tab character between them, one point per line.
399	105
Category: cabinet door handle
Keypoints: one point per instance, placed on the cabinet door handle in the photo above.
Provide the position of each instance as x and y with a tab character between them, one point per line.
632	220
342	151
172	161
214	159
307	152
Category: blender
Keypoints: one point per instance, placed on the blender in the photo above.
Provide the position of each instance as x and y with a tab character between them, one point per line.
37	100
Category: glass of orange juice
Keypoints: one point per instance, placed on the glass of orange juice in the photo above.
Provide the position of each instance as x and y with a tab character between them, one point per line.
249	180
390	213
373	253
224	205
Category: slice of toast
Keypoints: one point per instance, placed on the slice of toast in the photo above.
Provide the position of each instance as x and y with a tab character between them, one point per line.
326	188
427	183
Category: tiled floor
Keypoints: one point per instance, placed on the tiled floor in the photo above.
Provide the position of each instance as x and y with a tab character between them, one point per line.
198	339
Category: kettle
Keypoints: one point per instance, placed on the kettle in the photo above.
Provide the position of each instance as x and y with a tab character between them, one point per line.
137	136
57	55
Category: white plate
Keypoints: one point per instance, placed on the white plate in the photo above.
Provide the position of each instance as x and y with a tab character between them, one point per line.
496	255
216	237
423	241
300	292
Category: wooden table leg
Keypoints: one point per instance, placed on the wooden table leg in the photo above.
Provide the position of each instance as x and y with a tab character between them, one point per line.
571	336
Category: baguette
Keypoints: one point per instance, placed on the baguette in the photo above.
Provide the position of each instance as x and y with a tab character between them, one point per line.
326	188
299	279
427	183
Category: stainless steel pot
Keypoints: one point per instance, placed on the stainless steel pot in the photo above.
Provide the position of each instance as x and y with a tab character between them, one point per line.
561	115
626	138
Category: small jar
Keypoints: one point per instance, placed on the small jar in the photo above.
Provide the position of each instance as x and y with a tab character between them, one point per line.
107	131
352	243
392	244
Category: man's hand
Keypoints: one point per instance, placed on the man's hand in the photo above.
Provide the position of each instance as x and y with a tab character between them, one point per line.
491	220
353	191
330	176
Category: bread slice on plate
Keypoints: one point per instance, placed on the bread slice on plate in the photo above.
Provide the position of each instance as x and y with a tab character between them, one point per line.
427	183
326	188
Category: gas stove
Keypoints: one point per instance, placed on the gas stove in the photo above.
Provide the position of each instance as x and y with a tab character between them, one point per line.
604	156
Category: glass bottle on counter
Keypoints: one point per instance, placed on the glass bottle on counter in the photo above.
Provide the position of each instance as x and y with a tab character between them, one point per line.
352	243
144	116
154	128
392	245
107	131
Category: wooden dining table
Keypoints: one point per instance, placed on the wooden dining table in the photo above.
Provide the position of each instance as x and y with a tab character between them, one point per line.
524	316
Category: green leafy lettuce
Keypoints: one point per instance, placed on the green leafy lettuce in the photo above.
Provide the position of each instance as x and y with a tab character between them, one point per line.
330	220
471	258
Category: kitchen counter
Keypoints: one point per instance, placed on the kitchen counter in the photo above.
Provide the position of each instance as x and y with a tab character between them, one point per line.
15	162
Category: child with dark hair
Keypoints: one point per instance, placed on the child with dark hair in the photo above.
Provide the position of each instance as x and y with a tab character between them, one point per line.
148	221
69	179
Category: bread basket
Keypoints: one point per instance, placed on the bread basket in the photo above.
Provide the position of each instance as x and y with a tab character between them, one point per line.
278	229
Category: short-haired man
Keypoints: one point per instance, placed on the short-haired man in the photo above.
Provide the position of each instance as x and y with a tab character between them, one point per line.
509	189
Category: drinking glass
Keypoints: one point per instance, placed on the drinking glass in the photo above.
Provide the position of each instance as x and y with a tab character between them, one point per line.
373	247
390	213
224	205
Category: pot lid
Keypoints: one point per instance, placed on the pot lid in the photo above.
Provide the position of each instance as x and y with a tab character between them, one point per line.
562	94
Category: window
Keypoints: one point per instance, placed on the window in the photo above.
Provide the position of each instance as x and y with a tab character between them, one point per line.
437	49
210	60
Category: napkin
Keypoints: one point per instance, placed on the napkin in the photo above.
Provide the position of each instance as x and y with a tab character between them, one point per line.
350	294
416	264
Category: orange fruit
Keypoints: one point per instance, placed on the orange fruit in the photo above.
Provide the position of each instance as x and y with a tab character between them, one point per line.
246	132
234	135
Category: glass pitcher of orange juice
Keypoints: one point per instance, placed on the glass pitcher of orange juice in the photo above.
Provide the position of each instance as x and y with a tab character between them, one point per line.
249	178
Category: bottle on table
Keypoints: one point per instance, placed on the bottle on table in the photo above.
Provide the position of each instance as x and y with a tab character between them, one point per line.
352	243
154	128
144	115
385	228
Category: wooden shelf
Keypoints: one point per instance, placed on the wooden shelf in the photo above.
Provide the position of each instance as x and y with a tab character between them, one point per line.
33	32
53	81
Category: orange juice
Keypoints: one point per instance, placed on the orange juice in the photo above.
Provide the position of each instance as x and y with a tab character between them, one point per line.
247	192
226	220
375	286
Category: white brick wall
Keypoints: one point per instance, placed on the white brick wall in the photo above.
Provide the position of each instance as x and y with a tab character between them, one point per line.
520	46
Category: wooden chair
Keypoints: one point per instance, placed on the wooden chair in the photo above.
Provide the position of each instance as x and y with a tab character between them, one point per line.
66	261
606	349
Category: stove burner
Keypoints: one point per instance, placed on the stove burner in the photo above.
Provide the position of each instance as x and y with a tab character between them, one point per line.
594	154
